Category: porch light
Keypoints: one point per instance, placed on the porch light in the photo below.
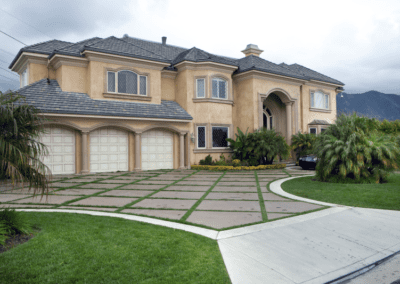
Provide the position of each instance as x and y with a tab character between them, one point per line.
192	137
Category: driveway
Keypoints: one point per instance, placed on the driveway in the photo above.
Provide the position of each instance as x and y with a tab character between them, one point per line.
211	199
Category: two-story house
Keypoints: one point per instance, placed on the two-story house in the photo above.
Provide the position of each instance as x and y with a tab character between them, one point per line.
131	104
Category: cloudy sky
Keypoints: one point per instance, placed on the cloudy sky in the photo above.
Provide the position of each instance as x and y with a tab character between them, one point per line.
356	42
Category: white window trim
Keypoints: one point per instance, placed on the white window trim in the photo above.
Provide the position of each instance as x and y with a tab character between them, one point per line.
21	81
205	137
226	88
212	137
197	94
324	98
316	130
116	83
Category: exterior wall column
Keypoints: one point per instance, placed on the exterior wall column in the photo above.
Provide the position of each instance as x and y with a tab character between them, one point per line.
181	151
288	122
138	162
85	158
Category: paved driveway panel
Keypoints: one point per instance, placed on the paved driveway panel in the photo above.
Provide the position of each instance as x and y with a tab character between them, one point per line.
188	188
99	185
230	195
104	201
168	214
235	183
289	206
229	205
143	186
124	192
235	188
178	194
10	197
165	203
220	220
51	199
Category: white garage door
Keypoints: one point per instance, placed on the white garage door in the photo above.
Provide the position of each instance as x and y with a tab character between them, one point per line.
108	150
157	150
60	143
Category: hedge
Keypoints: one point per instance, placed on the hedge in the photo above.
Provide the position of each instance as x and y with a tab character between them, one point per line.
241	168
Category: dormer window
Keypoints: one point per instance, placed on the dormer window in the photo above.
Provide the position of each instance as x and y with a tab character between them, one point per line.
126	82
219	87
24	78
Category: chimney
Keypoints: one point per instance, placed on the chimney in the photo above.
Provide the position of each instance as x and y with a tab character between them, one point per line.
252	49
164	40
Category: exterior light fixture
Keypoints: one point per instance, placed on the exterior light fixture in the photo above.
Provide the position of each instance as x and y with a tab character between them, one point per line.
192	137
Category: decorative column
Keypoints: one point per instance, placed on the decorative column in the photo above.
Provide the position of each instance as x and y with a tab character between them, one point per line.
85	158
288	122
182	151
138	164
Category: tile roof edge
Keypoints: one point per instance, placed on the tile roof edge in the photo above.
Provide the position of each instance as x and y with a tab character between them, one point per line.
141	48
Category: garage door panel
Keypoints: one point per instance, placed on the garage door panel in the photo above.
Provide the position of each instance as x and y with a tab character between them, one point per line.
61	150
155	154
109	150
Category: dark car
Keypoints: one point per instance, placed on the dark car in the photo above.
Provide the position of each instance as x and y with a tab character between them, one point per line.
308	162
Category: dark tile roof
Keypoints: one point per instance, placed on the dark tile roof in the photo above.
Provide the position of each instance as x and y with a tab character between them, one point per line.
156	51
319	122
253	62
50	99
46	47
310	74
197	55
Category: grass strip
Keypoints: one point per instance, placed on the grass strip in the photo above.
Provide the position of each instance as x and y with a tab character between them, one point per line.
187	214
261	200
127	206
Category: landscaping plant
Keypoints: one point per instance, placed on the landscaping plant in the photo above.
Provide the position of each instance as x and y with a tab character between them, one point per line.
14	222
352	151
303	143
20	150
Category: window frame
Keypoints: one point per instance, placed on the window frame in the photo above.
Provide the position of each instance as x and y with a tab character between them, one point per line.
116	83
24	78
226	88
220	126
313	99
197	137
197	89
316	130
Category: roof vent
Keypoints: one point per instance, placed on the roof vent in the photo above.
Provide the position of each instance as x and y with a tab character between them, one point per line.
252	49
164	40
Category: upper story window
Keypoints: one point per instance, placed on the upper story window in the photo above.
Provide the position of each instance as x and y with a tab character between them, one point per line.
200	88
219	88
24	78
319	100
126	82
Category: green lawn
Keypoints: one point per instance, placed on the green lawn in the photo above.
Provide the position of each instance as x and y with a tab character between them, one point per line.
379	196
73	248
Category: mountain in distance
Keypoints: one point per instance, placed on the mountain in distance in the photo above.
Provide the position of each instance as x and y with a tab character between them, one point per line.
372	104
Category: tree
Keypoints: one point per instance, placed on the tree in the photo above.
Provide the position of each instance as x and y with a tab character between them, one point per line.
352	150
20	150
303	144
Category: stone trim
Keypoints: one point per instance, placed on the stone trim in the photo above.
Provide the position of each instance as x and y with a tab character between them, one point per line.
195	135
210	100
214	66
29	57
116	70
213	150
320	110
230	131
262	75
329	101
57	60
205	87
127	96
229	87
168	74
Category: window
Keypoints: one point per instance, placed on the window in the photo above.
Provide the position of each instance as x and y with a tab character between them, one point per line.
313	130
126	82
219	88
319	100
201	137
267	119
24	78
200	87
219	135
323	129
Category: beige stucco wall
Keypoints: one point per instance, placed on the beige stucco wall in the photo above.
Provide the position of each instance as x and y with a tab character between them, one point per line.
73	78
167	89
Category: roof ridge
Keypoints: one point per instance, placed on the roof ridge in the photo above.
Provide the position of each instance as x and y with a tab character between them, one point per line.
77	43
315	72
44	42
142	48
157	42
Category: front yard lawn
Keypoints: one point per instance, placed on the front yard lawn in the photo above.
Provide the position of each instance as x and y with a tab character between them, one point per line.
75	248
379	196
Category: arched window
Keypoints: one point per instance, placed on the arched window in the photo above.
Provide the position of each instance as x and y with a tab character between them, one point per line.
267	119
126	82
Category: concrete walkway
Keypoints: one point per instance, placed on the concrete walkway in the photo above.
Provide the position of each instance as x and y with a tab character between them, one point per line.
315	248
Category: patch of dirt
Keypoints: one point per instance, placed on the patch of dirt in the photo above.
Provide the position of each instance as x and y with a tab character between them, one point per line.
15	240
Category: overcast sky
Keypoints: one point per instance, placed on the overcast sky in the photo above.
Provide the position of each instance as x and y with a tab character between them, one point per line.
356	42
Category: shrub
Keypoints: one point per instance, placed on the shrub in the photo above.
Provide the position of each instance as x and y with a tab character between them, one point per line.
259	147
303	144
3	233
236	162
207	160
350	149
14	222
222	161
231	168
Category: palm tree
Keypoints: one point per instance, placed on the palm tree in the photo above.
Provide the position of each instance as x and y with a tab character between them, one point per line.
20	150
303	144
351	149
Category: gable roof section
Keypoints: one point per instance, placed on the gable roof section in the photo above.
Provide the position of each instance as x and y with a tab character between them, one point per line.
310	74
46	47
118	46
253	62
50	99
197	55
75	48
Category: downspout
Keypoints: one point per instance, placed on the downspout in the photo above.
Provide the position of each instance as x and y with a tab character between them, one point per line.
301	109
